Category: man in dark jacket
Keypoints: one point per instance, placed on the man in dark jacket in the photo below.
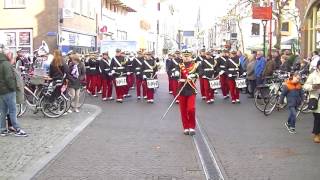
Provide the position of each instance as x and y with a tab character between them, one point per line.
8	89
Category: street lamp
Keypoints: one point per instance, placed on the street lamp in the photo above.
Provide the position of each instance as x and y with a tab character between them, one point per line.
264	23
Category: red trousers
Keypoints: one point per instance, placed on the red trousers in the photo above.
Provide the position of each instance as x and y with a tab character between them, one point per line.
120	90
202	89
88	80
99	82
209	93
139	84
170	84
149	92
224	84
106	88
94	82
234	91
188	111
175	87
130	80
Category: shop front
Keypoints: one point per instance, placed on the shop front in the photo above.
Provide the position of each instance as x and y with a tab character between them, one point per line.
79	43
19	39
312	24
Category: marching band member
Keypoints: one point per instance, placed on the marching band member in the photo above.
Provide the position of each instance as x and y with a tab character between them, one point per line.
221	64
107	78
168	64
94	72
175	74
207	71
118	71
188	75
150	69
200	59
137	65
126	87
130	72
234	69
88	72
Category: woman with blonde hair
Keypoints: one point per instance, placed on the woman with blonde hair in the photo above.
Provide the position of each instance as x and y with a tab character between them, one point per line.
77	74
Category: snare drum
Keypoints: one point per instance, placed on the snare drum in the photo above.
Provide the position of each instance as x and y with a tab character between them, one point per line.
121	81
152	83
241	83
215	84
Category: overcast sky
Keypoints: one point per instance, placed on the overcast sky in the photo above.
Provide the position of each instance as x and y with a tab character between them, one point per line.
210	9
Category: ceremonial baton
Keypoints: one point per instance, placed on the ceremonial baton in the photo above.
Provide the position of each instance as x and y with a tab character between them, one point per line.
174	100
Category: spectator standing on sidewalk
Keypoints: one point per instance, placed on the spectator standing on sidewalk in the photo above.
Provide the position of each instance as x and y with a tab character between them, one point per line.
270	67
259	67
313	86
8	88
314	60
77	74
294	93
250	75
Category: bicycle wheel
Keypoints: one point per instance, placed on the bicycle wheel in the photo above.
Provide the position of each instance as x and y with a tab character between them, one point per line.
22	109
271	105
30	99
259	100
53	109
18	109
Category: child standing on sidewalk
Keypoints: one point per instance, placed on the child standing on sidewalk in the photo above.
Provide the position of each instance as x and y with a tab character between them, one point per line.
293	92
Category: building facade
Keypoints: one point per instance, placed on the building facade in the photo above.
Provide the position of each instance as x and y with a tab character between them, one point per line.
26	23
310	29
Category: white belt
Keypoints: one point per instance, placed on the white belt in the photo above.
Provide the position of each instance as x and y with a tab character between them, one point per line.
222	66
233	69
182	80
208	69
148	70
93	68
138	68
119	68
106	69
87	66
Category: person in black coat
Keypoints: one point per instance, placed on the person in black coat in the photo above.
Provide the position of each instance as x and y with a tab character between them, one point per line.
107	78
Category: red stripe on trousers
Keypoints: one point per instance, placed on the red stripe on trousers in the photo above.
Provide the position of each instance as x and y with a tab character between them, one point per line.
234	91
188	111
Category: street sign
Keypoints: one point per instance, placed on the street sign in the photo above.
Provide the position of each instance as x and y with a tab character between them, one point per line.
51	33
264	13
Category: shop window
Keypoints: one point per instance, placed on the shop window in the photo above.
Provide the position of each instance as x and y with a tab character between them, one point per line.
255	31
16	4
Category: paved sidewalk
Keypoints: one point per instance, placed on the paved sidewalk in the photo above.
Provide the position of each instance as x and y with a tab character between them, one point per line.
19	155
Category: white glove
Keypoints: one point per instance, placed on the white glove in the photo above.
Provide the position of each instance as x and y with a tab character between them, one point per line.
110	74
128	73
221	72
138	73
22	67
144	77
244	74
176	73
204	76
230	75
191	76
113	72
